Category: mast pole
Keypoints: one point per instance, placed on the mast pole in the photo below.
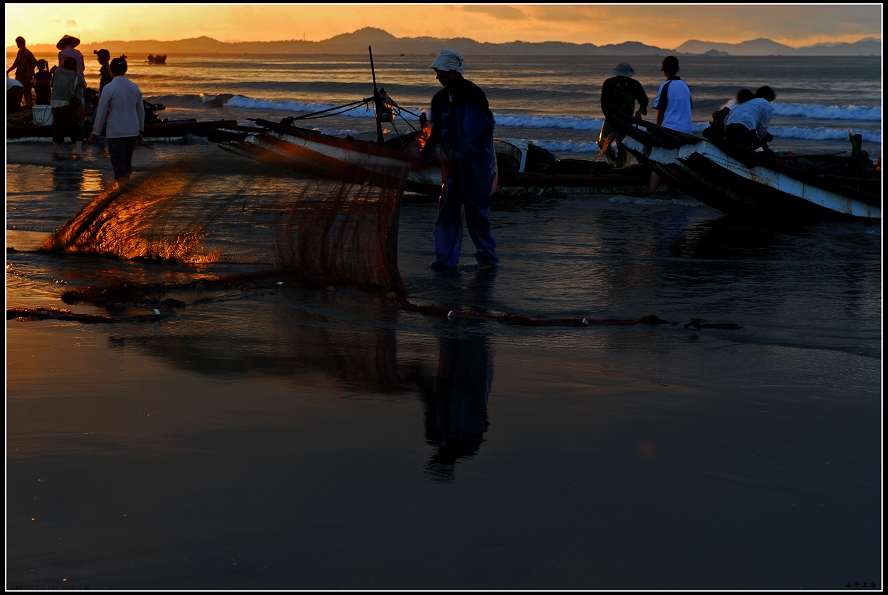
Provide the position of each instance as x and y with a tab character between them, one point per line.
376	98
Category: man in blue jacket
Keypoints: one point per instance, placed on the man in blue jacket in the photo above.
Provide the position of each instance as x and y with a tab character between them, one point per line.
462	124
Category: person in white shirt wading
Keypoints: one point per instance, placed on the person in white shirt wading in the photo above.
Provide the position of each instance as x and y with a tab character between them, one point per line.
121	109
673	104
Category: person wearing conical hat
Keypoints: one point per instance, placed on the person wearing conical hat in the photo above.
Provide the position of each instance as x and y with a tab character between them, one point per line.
462	126
68	44
618	97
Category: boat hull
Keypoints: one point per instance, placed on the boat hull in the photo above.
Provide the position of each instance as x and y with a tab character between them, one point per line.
316	154
751	185
313	153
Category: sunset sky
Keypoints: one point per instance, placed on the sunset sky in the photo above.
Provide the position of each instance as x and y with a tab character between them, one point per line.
661	25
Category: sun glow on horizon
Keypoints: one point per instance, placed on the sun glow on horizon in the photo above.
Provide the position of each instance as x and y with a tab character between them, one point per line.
661	25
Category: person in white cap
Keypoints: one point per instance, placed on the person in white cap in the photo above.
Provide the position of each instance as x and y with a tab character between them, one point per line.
462	125
618	97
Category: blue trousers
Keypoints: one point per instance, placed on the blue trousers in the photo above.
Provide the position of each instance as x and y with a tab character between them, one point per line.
121	152
472	198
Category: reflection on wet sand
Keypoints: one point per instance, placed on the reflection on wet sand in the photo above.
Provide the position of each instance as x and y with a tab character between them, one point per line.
297	342
456	410
86	182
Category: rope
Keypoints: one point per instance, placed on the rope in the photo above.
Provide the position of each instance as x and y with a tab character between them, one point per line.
521	320
136	295
314	115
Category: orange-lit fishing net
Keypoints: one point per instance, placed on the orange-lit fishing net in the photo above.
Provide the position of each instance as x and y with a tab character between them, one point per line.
303	230
326	231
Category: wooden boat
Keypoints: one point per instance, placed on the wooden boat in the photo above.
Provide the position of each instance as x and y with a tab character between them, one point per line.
523	167
755	183
313	153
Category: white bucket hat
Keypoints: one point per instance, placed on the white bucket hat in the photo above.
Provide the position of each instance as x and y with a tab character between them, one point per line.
623	69
449	60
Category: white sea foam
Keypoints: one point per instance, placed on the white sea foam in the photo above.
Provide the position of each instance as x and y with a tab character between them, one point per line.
823	112
592	124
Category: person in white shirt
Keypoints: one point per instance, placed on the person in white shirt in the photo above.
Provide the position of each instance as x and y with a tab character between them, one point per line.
673	104
747	123
122	111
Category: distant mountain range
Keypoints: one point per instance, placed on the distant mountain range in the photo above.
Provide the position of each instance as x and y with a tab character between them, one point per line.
766	47
386	43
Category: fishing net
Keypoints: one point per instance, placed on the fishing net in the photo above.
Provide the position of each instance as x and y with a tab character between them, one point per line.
292	229
324	231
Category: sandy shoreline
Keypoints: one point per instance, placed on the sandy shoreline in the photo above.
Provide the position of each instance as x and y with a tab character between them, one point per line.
307	438
145	469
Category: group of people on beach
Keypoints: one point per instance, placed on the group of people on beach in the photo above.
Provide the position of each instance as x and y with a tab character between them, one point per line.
745	123
462	125
119	115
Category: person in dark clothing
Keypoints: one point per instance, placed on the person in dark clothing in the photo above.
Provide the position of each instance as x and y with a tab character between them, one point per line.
104	58
462	124
619	95
42	83
24	65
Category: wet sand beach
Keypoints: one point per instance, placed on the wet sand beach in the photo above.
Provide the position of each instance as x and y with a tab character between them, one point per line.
315	438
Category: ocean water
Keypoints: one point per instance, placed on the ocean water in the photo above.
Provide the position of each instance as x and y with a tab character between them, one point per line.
552	101
317	438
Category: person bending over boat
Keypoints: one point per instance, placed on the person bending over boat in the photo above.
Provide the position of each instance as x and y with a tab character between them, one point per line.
673	104
618	97
747	123
462	124
14	93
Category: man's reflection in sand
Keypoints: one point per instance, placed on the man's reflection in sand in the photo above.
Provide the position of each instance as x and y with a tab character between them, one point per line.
456	408
456	411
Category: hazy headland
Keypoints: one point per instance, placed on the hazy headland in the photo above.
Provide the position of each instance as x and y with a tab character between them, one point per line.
386	43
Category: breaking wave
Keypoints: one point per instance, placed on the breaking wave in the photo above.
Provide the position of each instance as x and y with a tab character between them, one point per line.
589	124
823	112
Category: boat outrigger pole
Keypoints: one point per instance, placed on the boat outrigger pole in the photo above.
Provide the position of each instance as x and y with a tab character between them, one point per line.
377	99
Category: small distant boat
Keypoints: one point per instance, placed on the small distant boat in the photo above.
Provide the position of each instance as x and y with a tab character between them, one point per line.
757	184
159	59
